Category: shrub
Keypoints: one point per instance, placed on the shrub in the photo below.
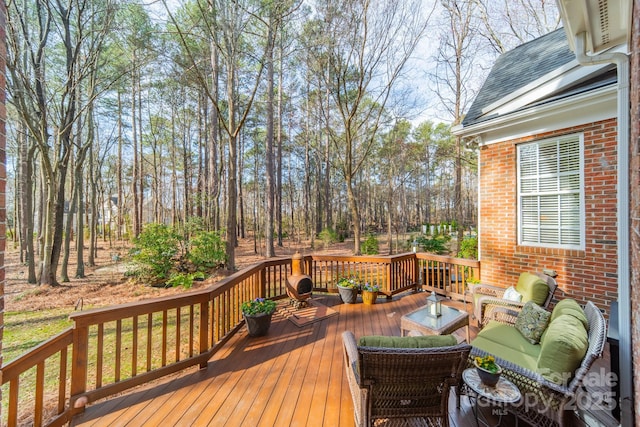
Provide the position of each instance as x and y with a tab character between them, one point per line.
207	250
370	245
154	251
435	244
469	248
328	236
181	279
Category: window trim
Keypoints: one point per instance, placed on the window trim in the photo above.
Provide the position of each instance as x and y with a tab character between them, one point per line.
519	223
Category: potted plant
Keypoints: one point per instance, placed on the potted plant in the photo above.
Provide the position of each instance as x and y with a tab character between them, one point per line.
488	370
257	315
348	288
370	293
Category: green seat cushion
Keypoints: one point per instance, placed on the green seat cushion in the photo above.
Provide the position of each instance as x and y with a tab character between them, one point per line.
507	343
532	321
532	288
426	341
564	346
571	307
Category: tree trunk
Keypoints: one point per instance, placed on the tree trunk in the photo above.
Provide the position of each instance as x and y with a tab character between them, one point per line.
269	157
25	199
119	221
135	171
355	215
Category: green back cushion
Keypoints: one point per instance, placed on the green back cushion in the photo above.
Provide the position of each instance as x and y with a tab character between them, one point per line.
427	341
571	307
532	321
564	346
532	288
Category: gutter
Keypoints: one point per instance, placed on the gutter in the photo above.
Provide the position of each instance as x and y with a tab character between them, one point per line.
621	61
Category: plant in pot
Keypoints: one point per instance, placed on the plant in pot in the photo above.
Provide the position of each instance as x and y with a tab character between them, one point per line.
257	315
370	293
488	370
348	288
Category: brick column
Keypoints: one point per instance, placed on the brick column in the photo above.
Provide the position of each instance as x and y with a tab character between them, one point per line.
3	171
634	184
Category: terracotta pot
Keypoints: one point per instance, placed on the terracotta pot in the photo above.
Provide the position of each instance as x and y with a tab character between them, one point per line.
258	326
348	295
369	297
488	378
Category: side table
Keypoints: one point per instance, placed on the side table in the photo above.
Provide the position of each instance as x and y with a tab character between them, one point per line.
504	393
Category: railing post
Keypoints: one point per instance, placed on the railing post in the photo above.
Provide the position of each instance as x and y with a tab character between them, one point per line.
416	271
262	290
389	277
79	368
204	329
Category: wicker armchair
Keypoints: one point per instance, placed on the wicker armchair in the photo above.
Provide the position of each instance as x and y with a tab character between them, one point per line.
544	402
396	384
487	297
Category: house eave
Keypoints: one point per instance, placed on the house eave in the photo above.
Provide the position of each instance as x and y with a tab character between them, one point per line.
598	104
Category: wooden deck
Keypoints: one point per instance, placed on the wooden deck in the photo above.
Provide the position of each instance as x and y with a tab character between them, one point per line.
294	376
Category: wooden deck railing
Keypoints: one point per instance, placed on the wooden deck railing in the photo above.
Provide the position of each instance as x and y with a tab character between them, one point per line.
150	339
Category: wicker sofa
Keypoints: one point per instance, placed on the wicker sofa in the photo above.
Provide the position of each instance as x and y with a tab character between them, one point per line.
396	384
550	373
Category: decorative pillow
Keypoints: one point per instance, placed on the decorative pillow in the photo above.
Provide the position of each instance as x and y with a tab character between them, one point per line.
512	295
532	321
532	288
426	341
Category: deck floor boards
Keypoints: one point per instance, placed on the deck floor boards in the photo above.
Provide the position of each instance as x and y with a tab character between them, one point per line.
293	376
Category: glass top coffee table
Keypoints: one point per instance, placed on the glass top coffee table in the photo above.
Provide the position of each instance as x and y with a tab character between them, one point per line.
449	321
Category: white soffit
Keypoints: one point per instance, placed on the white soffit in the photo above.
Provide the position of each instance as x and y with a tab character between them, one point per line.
606	22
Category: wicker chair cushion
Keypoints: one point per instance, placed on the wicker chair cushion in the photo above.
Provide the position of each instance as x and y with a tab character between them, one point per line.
427	341
504	340
532	288
571	307
565	345
532	321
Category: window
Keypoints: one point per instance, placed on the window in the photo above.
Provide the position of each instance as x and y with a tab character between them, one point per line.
550	200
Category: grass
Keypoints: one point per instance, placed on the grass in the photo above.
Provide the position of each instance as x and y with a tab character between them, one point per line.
25	330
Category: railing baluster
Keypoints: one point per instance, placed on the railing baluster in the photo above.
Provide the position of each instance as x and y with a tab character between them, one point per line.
164	337
62	380
134	346
149	338
118	349
39	398
99	355
14	389
178	335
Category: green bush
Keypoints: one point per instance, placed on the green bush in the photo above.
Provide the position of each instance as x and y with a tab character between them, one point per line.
154	251
181	279
469	248
207	250
370	245
328	236
435	245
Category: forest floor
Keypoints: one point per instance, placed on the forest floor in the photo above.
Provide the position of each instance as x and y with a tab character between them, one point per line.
105	283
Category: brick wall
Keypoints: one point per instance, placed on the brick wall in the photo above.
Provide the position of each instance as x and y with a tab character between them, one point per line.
634	182
583	275
3	174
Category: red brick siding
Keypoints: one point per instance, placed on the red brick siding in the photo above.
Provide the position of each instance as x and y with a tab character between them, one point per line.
634	184
588	274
